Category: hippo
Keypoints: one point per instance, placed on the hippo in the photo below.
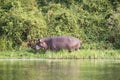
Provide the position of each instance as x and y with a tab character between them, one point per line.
58	42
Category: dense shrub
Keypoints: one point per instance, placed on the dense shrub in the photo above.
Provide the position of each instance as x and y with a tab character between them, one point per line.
95	22
20	21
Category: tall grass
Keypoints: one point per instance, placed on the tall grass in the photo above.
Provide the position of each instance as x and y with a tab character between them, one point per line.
82	54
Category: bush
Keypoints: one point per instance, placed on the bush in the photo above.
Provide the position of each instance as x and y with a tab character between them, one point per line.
95	22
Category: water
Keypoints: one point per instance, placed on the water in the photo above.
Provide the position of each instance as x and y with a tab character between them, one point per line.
59	70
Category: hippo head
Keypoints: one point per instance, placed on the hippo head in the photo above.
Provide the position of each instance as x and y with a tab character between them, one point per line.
40	44
36	46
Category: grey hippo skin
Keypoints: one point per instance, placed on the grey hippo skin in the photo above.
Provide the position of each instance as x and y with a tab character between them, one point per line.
59	42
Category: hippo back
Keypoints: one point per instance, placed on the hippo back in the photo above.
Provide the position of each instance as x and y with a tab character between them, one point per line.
64	41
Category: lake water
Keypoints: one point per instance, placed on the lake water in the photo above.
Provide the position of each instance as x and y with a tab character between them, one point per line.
59	69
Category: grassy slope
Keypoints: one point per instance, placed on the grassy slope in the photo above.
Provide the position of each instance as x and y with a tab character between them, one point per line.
82	54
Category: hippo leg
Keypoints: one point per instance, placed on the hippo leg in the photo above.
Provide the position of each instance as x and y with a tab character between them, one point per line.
70	49
77	49
46	51
55	49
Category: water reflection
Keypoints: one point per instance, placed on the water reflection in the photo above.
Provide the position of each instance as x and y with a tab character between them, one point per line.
59	70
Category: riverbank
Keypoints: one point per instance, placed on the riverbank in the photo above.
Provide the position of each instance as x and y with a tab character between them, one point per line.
82	54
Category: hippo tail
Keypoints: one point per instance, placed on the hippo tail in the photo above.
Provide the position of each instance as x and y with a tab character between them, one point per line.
81	42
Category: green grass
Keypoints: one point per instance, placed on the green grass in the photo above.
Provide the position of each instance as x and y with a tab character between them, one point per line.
82	54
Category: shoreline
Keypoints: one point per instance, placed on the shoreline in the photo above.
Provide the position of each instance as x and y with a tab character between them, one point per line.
83	54
59	59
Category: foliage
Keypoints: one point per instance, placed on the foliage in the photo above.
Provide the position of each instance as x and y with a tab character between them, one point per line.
20	22
95	22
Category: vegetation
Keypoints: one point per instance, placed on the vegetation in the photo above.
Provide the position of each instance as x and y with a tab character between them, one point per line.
95	22
83	54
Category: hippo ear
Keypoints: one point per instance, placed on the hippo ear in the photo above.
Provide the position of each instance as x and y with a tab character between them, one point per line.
40	40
